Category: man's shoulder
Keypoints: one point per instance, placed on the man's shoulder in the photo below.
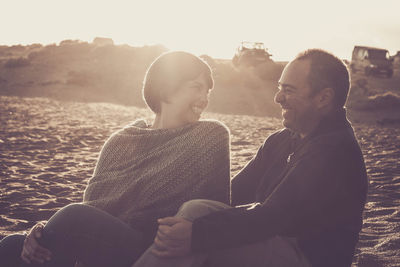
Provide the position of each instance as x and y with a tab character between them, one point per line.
281	135
277	141
343	137
335	145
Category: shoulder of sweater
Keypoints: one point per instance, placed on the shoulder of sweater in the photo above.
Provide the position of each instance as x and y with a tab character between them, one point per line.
140	123
214	125
116	135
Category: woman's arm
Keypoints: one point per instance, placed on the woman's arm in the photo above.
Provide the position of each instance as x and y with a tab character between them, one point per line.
216	157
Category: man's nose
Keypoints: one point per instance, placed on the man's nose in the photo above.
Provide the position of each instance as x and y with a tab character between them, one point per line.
279	97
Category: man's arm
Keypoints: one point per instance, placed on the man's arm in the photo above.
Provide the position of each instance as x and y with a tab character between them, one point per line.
245	183
311	194
238	226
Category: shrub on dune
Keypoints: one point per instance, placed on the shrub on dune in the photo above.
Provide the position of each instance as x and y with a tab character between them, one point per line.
17	62
387	100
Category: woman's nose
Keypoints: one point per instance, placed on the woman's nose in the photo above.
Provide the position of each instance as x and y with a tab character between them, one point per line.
205	95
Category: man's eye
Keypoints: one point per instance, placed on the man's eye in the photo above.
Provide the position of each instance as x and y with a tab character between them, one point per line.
287	90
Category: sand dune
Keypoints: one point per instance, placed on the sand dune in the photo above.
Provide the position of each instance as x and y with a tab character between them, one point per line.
48	150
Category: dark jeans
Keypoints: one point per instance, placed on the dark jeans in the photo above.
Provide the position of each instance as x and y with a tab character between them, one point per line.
10	250
81	233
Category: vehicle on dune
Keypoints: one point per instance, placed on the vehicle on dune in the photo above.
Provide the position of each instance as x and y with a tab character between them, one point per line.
254	57
251	54
371	61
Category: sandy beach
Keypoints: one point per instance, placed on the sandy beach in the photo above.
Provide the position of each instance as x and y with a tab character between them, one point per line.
48	150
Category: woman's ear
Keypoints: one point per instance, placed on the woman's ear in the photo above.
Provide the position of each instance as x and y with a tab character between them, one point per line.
326	97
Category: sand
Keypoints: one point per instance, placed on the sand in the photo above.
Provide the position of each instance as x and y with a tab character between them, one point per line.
48	150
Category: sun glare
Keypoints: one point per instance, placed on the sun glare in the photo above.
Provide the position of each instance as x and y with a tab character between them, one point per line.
208	27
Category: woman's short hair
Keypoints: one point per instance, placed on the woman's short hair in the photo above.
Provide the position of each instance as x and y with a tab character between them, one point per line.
168	72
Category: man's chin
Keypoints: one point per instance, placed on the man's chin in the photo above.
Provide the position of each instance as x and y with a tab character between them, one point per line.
286	123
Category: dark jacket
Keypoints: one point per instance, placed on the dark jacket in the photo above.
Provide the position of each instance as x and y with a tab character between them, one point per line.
313	189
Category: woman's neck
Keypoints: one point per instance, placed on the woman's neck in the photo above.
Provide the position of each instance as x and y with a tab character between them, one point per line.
163	121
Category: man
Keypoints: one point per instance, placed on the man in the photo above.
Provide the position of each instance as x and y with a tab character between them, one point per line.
308	181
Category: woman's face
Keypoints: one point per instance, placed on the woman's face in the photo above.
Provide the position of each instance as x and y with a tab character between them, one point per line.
187	102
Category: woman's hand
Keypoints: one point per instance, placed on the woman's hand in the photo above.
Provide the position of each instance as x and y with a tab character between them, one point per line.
173	238
32	251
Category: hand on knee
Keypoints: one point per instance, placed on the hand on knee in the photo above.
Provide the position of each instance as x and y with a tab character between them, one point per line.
32	251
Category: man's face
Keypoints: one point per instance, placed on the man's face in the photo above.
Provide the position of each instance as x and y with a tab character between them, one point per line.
299	110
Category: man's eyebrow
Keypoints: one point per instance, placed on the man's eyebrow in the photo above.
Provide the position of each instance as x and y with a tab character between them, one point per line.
286	86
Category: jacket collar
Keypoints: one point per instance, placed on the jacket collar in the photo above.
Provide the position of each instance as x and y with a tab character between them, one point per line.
334	121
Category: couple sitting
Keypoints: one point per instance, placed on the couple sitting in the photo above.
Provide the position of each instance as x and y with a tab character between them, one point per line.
298	202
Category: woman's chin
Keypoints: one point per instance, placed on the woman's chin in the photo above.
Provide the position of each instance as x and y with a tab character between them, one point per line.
190	119
195	116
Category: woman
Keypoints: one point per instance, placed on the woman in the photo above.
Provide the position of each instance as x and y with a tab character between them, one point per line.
144	172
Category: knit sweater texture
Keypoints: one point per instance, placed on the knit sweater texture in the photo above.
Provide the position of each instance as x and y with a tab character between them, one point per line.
143	174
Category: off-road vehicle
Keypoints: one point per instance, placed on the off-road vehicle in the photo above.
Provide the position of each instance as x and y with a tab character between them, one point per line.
251	54
371	60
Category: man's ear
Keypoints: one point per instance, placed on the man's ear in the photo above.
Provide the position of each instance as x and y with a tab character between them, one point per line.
325	97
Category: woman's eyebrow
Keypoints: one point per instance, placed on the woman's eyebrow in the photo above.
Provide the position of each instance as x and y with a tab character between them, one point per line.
197	83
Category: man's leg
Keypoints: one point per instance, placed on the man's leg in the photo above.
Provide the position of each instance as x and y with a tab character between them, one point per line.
196	208
189	210
92	236
276	251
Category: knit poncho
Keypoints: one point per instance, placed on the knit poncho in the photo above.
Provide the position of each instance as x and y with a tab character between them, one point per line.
143	174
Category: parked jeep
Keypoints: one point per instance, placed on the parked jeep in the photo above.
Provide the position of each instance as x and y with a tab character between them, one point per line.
251	54
371	60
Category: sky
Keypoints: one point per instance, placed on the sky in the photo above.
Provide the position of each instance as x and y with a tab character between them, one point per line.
212	27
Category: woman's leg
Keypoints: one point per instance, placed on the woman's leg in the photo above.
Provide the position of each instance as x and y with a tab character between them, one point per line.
92	236
10	250
10	253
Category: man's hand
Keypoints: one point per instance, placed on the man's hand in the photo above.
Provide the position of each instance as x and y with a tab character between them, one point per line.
32	251
173	238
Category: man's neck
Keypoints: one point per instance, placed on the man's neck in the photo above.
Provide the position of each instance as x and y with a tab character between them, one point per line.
309	128
325	118
304	134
